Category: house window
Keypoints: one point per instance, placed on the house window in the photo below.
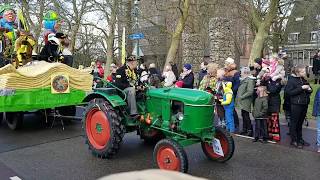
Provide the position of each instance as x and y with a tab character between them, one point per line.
318	17
314	36
293	37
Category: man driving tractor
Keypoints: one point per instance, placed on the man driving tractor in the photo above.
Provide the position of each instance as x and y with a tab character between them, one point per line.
127	79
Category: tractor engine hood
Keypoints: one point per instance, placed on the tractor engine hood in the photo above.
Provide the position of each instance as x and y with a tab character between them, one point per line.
187	96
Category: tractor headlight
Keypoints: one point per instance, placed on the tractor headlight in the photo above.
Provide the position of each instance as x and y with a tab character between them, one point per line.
180	116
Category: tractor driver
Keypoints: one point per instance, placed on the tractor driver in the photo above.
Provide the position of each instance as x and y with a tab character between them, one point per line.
127	79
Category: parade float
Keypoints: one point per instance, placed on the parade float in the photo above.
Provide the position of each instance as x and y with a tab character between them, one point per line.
40	86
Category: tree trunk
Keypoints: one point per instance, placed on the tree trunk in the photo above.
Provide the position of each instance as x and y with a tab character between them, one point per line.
258	43
175	40
74	37
174	46
110	38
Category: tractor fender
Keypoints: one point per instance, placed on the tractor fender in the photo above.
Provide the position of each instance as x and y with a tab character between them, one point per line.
114	100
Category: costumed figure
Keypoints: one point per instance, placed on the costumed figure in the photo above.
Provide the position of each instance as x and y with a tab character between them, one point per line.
23	48
228	104
51	24
8	28
51	51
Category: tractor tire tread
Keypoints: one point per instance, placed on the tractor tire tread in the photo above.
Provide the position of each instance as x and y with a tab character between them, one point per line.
116	126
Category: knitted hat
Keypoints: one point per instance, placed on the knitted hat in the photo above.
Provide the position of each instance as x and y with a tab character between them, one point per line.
187	66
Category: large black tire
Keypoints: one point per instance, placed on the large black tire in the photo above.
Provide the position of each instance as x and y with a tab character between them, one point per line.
103	129
227	144
14	120
170	155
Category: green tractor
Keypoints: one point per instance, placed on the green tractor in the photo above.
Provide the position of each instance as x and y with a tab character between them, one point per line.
173	117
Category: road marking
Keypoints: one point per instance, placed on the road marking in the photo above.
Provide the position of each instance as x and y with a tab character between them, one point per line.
247	137
15	178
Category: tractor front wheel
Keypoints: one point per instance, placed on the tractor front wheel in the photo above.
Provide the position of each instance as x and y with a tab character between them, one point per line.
170	155
103	129
14	120
227	145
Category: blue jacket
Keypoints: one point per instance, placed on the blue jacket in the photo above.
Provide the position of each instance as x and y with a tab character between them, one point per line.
316	105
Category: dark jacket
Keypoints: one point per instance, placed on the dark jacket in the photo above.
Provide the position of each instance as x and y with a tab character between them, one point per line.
316	105
260	109
201	74
274	99
175	70
50	53
294	89
123	80
286	104
245	94
316	65
235	79
188	81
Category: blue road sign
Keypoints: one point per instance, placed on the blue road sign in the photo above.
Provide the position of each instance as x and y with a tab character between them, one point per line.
136	36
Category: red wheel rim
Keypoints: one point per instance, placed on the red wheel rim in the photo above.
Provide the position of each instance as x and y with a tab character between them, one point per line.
97	128
167	159
224	145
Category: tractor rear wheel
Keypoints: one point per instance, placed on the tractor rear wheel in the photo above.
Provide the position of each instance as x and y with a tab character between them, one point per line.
103	129
170	155
14	120
227	145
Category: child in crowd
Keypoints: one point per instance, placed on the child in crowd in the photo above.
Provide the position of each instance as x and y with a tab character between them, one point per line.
228	104
316	113
260	113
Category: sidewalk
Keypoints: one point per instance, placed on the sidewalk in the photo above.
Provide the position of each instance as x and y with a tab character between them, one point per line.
309	133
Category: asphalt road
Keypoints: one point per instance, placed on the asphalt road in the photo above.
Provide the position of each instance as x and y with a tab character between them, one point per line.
53	154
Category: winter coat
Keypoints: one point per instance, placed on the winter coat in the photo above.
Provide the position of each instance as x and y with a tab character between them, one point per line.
274	99
286	104
175	70
202	74
316	105
208	84
188	81
298	95
232	75
260	109
125	77
245	94
316	65
169	79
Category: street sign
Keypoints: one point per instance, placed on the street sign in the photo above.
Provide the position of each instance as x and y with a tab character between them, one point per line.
136	36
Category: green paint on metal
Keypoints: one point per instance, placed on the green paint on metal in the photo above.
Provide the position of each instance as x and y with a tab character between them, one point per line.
111	95
39	98
188	96
197	119
99	128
